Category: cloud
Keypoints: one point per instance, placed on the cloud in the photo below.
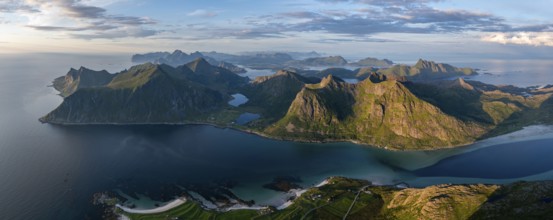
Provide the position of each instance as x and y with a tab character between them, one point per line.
71	16
350	39
116	33
376	17
386	20
202	13
13	6
521	38
401	3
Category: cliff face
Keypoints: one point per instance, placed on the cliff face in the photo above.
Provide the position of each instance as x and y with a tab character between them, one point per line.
384	114
81	78
144	94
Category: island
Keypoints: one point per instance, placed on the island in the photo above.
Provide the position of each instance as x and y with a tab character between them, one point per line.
421	107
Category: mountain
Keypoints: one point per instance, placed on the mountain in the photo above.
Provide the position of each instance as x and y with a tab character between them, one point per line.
257	60
303	55
81	78
426	70
148	57
233	68
275	93
213	76
332	61
178	58
335	71
385	114
502	107
372	62
150	93
389	111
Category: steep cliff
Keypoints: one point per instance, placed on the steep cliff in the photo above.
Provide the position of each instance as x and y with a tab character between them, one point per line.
81	78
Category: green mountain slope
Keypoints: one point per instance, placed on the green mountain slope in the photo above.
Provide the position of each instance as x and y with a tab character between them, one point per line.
504	108
385	114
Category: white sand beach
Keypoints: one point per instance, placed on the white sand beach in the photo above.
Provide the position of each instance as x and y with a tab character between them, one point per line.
166	207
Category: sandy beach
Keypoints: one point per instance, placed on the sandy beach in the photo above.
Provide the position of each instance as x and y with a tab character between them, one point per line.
166	207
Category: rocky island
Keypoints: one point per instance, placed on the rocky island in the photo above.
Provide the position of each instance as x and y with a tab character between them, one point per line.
425	106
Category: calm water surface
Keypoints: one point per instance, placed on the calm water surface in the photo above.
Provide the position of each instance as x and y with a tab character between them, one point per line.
51	172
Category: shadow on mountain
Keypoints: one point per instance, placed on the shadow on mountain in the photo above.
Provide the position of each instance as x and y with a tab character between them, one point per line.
460	102
542	115
522	200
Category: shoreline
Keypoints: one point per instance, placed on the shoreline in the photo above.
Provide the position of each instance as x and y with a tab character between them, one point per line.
269	137
170	205
182	200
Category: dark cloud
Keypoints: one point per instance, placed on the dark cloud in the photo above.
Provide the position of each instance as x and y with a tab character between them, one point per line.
116	33
245	33
55	28
350	39
81	11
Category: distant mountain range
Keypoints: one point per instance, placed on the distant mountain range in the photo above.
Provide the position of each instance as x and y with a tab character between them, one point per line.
258	60
425	106
178	58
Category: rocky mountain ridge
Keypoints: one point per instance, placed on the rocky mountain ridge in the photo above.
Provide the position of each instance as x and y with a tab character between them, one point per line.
382	110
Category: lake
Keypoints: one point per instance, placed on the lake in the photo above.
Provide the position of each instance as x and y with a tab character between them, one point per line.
52	172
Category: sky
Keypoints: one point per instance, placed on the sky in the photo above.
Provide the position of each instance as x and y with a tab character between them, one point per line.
397	29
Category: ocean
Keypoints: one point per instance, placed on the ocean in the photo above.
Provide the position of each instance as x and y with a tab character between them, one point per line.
52	172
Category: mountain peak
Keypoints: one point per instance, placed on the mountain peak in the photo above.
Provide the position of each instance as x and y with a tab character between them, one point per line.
284	73
199	65
289	76
460	82
424	63
179	52
330	81
197	54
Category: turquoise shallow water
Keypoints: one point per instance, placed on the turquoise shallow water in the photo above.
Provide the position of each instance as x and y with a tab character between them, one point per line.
51	172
